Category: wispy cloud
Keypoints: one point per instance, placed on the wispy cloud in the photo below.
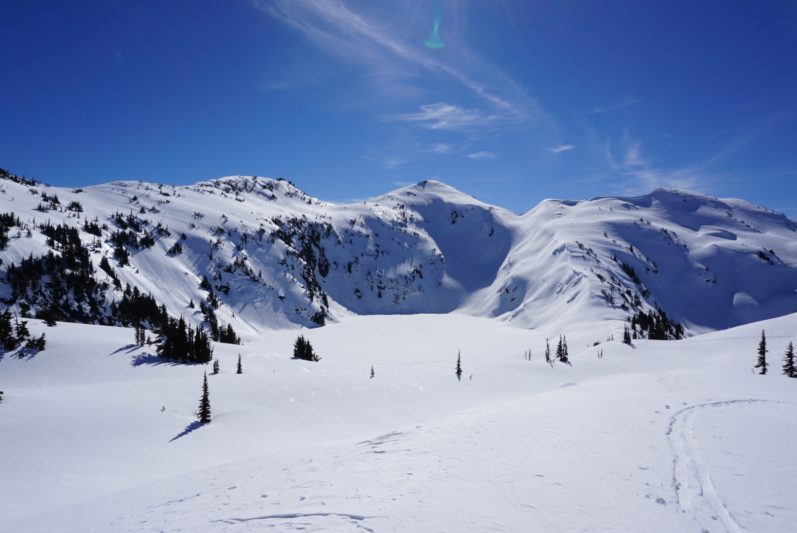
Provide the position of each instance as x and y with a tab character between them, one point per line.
612	107
436	148
640	175
562	148
337	29
443	116
484	154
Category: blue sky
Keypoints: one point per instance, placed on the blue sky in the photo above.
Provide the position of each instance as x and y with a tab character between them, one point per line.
525	100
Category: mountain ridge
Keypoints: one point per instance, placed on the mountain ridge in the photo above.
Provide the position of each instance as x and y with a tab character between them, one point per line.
278	257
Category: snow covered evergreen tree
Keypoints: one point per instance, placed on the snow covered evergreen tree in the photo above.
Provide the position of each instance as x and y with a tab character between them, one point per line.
762	354
459	366
626	336
561	351
788	362
215	367
372	372
204	403
239	369
547	352
302	349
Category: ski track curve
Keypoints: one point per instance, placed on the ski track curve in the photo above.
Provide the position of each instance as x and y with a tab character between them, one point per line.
694	490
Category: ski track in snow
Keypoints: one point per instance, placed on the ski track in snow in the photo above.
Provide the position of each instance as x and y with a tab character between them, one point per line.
691	481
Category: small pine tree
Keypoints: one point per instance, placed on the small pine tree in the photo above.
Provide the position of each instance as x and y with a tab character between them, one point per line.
547	352
302	349
626	336
762	354
215	367
372	372
459	366
7	338
559	349
239	369
565	352
204	404
788	362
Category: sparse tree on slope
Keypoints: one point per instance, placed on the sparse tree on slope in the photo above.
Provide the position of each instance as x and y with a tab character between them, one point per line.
204	404
762	354
626	336
372	372
239	369
547	352
788	362
459	366
215	367
564	357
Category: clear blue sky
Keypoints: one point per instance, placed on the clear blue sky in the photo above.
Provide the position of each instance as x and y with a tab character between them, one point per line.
526	99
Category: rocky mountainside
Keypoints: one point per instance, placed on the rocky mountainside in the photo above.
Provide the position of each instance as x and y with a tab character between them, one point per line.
259	253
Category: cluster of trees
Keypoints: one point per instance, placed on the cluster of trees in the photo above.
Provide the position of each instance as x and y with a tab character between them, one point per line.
15	334
789	369
58	286
562	353
180	342
655	325
302	349
7	221
218	332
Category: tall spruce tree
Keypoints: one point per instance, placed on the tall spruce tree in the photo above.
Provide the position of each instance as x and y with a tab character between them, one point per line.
372	372
547	352
563	353
215	367
626	336
239	369
204	403
459	366
788	362
762	354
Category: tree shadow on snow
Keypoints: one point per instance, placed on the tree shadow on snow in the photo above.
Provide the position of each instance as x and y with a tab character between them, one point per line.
188	429
152	360
126	348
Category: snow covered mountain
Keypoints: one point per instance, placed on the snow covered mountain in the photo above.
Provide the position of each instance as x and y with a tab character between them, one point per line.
264	254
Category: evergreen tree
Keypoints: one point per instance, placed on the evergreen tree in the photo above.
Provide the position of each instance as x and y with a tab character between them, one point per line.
563	353
547	352
762	354
372	372
459	366
215	367
36	344
7	337
22	332
559	349
626	336
240	369
302	349
204	404
788	362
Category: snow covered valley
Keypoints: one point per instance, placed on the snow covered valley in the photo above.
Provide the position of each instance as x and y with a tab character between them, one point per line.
97	434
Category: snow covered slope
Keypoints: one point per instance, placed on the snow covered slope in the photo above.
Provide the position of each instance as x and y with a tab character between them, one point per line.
275	257
98	435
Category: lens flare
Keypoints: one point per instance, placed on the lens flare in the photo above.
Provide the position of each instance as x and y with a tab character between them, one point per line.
434	42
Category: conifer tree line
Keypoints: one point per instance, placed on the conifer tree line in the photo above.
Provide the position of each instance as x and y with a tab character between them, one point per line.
789	367
14	334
